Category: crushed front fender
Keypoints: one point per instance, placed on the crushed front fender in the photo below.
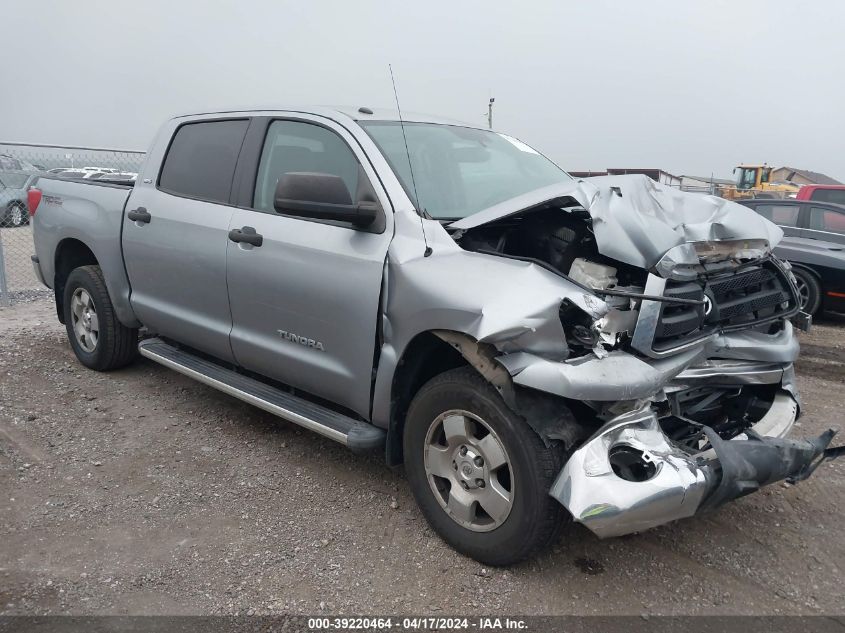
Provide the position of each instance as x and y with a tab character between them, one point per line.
617	376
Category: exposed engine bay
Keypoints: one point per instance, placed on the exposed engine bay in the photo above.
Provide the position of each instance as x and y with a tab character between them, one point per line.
563	241
558	239
722	294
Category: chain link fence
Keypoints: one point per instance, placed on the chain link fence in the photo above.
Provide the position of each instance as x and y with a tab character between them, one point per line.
21	166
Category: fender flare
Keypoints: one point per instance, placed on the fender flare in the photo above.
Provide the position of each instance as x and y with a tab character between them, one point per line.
549	416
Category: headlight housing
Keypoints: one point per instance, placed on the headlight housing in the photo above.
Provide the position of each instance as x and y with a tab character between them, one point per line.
709	252
684	260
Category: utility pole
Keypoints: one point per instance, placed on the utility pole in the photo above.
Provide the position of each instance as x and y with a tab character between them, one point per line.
490	113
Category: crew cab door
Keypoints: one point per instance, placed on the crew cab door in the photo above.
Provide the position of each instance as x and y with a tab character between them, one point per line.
305	302
175	235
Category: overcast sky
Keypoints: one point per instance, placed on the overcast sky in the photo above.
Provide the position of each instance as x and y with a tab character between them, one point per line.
691	87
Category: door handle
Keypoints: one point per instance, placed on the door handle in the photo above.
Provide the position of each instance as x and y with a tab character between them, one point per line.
247	235
140	215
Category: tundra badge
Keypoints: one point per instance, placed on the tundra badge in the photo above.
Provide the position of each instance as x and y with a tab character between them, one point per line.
296	338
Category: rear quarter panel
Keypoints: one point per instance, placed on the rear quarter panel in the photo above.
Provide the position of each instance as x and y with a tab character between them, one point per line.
92	214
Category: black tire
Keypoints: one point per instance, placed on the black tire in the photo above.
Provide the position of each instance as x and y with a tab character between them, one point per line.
810	288
117	345
535	518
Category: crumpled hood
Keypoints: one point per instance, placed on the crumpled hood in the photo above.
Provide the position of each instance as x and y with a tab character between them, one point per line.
636	220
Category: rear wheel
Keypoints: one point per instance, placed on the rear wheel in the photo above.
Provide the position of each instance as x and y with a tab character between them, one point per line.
17	215
479	473
809	290
98	339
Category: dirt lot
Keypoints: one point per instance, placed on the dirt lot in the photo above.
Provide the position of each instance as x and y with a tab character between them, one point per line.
141	491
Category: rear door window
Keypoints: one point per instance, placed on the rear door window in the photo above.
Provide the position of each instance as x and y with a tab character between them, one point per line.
201	160
827	220
782	214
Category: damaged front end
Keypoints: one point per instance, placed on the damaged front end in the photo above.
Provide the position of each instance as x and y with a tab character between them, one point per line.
679	339
630	476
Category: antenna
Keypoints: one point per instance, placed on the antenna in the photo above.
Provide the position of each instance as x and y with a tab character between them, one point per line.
428	250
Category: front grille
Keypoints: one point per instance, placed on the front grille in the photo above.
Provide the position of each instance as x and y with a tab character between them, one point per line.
680	319
734	300
735	282
748	297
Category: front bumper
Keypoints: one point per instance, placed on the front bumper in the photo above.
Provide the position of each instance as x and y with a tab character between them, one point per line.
621	375
670	483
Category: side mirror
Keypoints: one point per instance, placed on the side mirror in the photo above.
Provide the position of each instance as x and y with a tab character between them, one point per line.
321	197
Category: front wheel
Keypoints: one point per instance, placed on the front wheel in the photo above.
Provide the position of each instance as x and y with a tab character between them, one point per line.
98	339
479	473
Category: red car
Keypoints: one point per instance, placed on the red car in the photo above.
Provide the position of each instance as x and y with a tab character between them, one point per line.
822	193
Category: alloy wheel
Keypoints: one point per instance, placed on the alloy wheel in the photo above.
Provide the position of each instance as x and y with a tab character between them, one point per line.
86	325
16	213
803	291
469	470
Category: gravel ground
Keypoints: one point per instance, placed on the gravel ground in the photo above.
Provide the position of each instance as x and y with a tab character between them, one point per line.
143	492
17	249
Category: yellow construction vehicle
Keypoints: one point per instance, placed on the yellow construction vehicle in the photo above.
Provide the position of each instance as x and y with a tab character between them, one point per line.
753	182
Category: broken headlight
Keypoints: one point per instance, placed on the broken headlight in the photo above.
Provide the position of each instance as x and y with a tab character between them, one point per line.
684	261
578	327
709	252
585	334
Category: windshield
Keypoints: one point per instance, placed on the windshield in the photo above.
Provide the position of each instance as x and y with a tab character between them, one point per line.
9	162
458	171
747	178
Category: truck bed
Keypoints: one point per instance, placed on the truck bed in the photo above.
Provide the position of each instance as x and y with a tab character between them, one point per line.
85	215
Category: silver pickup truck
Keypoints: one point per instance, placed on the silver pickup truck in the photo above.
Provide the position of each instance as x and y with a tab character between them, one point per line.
532	347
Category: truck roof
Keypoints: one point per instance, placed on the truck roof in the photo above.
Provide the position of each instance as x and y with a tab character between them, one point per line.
362	113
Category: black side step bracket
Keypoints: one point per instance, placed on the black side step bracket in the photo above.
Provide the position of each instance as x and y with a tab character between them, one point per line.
356	435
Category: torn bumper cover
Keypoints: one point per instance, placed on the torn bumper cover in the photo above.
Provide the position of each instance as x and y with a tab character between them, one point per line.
629	477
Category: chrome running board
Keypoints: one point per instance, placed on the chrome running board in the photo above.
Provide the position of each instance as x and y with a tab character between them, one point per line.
356	435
